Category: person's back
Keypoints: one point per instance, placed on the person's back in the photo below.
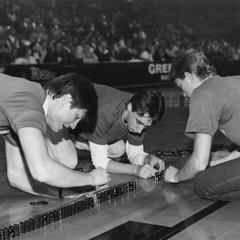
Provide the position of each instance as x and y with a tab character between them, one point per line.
106	94
18	84
111	104
20	99
224	93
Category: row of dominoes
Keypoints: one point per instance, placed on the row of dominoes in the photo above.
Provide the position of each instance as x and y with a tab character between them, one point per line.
66	211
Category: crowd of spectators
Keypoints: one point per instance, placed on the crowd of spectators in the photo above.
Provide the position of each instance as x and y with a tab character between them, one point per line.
69	32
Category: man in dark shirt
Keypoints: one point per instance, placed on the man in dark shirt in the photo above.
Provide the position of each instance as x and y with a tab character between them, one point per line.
122	120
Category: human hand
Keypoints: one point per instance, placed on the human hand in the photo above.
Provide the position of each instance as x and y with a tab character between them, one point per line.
157	162
99	177
145	171
170	174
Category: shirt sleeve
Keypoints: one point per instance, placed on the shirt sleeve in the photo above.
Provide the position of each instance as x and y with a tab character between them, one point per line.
99	155
204	111
25	110
135	154
99	136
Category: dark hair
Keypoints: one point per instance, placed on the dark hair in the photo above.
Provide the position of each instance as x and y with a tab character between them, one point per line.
22	51
148	101
191	61
5	59
82	92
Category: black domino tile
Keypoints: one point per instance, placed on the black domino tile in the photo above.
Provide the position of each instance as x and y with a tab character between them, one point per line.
77	207
11	231
41	222
62	213
71	210
52	217
45	218
80	203
36	222
84	205
6	233
91	202
22	227
48	218
32	224
66	212
16	230
56	215
27	225
1	234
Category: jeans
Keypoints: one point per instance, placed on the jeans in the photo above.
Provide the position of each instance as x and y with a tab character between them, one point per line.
221	182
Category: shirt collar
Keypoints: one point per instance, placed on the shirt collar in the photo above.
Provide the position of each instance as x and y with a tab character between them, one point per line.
45	106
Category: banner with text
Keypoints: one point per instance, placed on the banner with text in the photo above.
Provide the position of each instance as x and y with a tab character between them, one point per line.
114	74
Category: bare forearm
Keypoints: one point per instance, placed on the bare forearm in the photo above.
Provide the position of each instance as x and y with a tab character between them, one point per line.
188	171
124	168
20	180
61	176
199	159
45	169
196	163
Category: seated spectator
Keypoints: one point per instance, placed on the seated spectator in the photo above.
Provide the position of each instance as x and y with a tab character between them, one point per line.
24	54
43	49
88	55
12	40
5	55
102	52
5	60
160	55
76	50
121	51
55	20
144	53
39	50
58	54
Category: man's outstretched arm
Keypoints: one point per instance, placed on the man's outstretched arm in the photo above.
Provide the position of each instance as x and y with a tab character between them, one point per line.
47	170
197	162
99	154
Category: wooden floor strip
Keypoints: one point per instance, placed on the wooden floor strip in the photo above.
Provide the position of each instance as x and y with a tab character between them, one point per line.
169	232
145	231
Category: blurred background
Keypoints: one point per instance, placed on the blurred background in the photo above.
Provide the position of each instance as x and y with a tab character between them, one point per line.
92	31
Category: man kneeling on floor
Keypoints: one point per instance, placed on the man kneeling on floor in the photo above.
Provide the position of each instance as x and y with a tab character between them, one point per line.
214	105
124	117
34	122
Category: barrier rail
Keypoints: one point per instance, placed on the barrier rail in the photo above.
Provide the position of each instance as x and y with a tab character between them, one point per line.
114	74
128	76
